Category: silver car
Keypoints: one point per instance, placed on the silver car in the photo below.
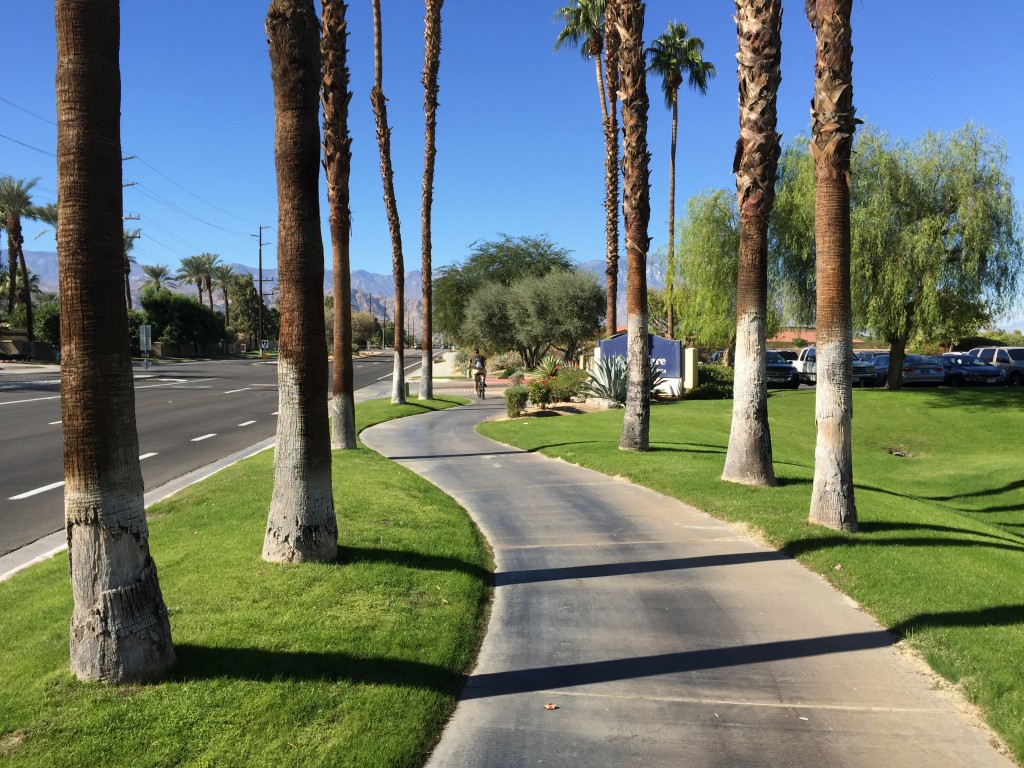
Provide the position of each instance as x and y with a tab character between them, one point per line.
1010	359
918	369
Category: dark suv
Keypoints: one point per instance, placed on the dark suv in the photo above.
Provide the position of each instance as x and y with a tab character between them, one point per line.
1010	359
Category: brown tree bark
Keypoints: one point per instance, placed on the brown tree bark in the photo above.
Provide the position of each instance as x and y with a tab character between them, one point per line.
636	214
338	163
431	64
759	35
301	525
833	124
380	113
119	628
611	167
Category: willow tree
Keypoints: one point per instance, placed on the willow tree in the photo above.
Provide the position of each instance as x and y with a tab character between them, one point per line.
636	206
591	25
119	627
833	122
431	64
387	173
301	525
759	34
338	165
676	55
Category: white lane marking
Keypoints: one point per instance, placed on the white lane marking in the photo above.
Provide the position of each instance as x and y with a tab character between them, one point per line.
55	422
203	437
146	456
247	423
275	413
177	382
232	391
45	488
31	400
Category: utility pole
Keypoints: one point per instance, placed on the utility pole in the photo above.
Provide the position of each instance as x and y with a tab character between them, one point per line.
259	237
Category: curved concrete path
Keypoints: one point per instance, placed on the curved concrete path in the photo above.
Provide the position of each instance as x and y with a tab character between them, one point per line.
663	636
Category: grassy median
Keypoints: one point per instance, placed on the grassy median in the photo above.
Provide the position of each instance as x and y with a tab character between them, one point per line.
352	664
940	498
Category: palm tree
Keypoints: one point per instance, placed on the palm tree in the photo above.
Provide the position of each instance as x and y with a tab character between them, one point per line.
338	164
759	34
222	276
431	64
676	54
193	271
208	262
119	627
380	113
590	25
833	122
158	276
130	236
46	214
301	525
15	205
636	207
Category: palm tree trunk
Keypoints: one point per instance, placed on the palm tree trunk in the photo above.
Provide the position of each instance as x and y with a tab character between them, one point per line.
209	290
380	112
338	164
119	628
127	284
227	308
13	246
759	32
833	124
672	215
301	525
637	214
27	298
431	64
611	169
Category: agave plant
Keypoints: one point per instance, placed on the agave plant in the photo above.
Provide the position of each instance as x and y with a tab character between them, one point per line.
608	379
549	366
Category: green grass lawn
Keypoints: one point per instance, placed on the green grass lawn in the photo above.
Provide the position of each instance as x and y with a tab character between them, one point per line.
940	555
351	664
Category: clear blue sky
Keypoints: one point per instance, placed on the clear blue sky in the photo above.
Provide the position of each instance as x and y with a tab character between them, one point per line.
520	148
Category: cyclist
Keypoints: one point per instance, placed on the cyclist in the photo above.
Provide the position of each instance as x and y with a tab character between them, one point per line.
479	366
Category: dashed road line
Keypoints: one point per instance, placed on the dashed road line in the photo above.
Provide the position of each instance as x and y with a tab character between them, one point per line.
33	492
146	456
55	422
247	423
232	391
203	437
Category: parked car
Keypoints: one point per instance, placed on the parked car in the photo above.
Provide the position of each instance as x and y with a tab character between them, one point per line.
781	372
918	369
807	366
962	370
786	354
1009	359
880	368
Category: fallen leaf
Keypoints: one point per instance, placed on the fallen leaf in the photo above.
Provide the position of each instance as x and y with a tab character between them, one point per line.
443	601
550	706
837	567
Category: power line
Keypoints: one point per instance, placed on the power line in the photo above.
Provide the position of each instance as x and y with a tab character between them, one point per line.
37	149
143	189
197	197
27	111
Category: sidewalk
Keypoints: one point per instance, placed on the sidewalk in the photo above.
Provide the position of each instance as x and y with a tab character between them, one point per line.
661	636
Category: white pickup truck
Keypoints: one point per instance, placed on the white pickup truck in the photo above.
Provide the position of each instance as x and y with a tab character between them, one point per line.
806	367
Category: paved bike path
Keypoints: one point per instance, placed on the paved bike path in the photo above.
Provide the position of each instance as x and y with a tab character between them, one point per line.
663	636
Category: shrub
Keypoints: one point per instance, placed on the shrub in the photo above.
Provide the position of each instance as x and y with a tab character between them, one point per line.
515	400
715	383
540	392
462	358
516	377
569	383
549	366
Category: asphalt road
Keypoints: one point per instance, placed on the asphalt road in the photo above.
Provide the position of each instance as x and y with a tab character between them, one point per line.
188	415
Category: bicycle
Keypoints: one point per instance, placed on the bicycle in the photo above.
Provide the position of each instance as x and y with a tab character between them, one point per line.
481	384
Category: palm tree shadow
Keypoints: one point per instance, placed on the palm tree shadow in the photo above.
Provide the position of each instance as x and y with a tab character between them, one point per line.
995	616
352	555
200	662
881	527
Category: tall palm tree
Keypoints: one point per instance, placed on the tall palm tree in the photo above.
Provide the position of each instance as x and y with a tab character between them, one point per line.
431	64
676	55
587	24
130	236
48	215
759	34
15	205
338	164
209	262
301	525
119	627
636	205
223	275
193	272
158	276
833	122
380	113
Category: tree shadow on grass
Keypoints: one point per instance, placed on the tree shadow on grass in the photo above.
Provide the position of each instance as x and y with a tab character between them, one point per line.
200	662
801	546
882	527
353	555
995	616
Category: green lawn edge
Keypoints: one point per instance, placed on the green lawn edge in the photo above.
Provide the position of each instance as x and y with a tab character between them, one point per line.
940	500
351	664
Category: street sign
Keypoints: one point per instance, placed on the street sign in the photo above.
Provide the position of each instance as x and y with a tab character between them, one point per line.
265	344
145	337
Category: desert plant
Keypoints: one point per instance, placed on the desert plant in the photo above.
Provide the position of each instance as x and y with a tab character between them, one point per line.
516	377
548	366
608	379
569	383
461	359
515	400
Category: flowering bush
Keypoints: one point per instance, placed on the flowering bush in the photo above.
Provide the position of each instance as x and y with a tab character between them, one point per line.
540	392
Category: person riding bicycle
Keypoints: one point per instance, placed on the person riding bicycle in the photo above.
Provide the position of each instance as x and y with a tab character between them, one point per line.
479	368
